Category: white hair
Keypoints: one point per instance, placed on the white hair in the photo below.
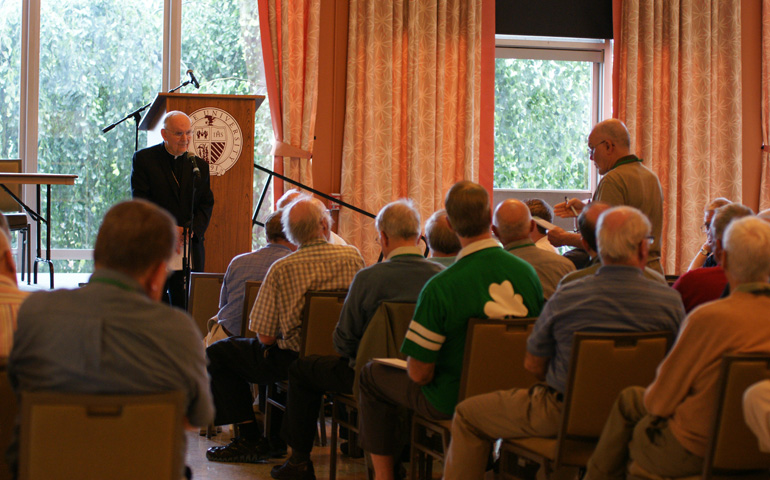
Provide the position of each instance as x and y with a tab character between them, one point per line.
618	240
399	219
747	243
304	229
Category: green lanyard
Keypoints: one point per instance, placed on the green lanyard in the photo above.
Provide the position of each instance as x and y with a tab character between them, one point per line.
521	246
754	289
629	159
115	283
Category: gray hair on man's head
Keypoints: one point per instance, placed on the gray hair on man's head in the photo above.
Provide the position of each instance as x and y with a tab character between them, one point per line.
716	203
723	216
303	219
441	237
619	232
747	244
399	219
172	114
288	196
614	130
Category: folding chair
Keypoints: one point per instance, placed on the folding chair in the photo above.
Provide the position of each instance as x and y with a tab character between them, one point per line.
203	302
249	297
602	364
121	437
489	342
16	217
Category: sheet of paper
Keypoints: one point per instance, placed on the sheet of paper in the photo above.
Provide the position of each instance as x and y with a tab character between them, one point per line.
544	223
393	362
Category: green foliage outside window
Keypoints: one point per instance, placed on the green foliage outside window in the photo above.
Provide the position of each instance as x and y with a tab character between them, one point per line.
542	120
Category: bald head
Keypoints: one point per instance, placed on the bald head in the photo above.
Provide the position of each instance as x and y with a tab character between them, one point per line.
288	196
615	131
512	221
306	220
587	221
608	142
622	234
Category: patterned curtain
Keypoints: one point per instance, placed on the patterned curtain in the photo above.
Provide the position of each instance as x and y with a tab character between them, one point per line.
764	192
680	96
412	113
289	30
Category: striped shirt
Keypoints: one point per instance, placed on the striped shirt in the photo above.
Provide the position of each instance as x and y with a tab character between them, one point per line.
316	266
10	300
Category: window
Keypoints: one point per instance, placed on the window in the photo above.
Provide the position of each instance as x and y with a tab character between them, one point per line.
548	94
10	78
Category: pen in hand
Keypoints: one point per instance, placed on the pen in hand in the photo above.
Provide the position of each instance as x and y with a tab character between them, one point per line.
566	202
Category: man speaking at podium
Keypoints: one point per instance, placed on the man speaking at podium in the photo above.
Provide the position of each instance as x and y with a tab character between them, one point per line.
165	175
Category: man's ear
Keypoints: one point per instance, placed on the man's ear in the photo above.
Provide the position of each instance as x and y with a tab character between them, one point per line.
154	281
532	226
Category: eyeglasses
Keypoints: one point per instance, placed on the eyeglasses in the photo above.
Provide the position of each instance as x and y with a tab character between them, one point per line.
650	239
592	149
705	227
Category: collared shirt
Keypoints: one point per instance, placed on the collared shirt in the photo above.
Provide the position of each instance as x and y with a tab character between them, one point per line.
317	266
550	266
405	251
252	266
10	299
477	246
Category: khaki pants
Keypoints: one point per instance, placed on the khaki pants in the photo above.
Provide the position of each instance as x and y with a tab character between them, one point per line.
631	433
216	333
480	420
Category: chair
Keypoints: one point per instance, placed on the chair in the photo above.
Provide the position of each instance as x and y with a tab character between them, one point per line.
66	436
671	279
203	302
733	451
489	342
16	217
602	364
8	411
319	318
383	338
249	297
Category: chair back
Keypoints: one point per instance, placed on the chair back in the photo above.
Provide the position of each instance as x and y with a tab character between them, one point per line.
603	364
203	302
733	447
7	203
319	318
494	356
249	297
8	411
384	335
66	436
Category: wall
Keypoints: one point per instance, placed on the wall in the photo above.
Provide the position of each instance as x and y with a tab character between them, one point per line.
751	65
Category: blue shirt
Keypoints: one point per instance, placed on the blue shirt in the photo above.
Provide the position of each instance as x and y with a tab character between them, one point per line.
616	299
252	266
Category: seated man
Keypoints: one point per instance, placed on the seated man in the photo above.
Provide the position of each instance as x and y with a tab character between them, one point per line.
617	298
665	428
398	279
10	295
252	266
513	225
707	283
292	194
705	256
756	412
485	281
540	208
442	240
587	221
113	336
236	362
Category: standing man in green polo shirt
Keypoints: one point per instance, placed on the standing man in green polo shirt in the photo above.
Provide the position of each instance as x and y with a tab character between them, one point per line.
625	181
485	281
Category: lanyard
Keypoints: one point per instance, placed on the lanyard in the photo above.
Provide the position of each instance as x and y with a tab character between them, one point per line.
521	246
629	159
110	281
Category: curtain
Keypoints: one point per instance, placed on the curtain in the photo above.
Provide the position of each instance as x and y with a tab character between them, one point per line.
680	96
764	192
412	107
289	31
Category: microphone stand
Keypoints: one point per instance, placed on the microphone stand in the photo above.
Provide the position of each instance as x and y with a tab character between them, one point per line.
137	116
187	231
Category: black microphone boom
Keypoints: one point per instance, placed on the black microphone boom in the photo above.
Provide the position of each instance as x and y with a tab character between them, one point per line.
196	170
193	79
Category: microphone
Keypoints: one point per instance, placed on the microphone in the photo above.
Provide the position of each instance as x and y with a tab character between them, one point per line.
195	169
193	79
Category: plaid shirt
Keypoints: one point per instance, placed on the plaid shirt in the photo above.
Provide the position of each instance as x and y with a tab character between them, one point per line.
316	266
10	299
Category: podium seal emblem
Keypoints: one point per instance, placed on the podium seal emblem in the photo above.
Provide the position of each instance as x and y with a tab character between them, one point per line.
217	138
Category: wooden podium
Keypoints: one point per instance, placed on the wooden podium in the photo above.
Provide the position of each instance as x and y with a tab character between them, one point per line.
223	135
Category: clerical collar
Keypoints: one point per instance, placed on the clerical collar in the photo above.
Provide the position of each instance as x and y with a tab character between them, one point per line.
171	154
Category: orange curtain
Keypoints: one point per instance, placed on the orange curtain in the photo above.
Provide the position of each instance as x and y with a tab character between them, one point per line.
764	192
679	93
412	107
289	31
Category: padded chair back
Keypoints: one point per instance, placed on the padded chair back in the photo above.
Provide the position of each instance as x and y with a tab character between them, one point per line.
733	446
319	317
602	365
7	203
66	436
204	297
494	356
8	411
249	297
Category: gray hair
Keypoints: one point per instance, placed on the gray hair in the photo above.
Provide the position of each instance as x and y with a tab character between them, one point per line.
615	131
541	209
172	114
467	206
716	203
288	196
399	219
723	216
747	243
618	238
441	238
303	218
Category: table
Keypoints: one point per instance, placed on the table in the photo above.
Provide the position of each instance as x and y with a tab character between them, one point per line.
38	179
